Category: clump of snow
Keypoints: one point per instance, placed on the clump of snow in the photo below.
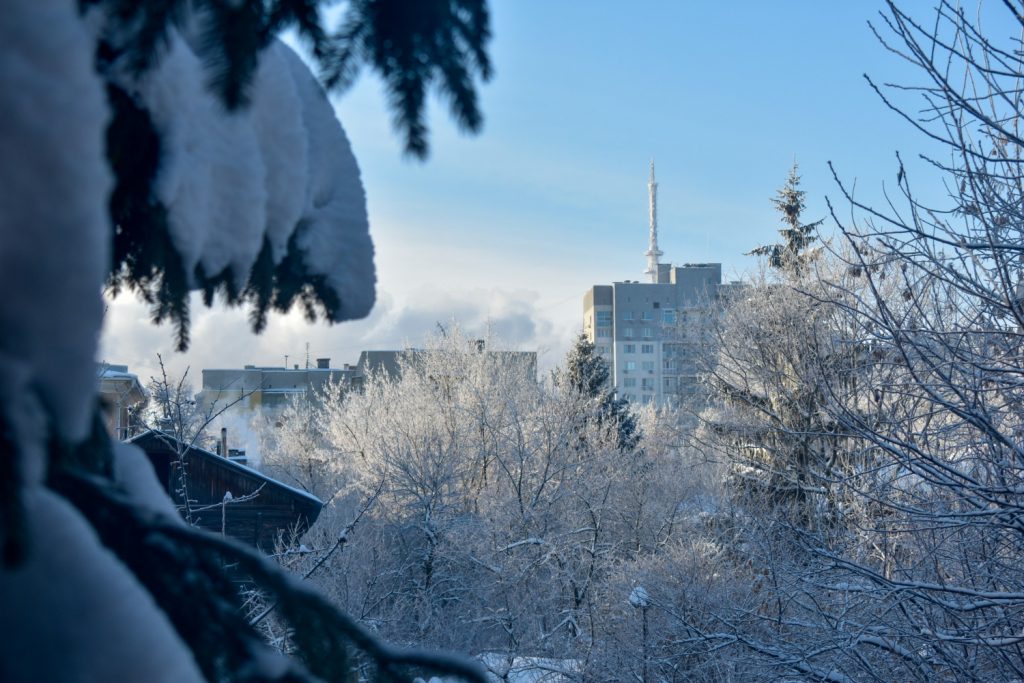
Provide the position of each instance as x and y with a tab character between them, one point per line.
54	238
72	596
284	144
334	231
73	612
281	167
211	177
638	597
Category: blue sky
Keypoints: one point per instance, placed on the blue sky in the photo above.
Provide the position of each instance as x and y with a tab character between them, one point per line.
514	224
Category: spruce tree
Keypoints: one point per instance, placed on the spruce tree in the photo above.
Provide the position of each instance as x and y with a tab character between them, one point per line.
794	253
587	374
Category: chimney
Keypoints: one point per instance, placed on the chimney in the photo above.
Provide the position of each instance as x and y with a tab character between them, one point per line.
224	441
323	363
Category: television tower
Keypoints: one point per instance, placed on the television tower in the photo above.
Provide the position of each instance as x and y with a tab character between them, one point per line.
653	253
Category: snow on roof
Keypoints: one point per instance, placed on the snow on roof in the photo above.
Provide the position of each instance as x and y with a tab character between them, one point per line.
270	480
112	373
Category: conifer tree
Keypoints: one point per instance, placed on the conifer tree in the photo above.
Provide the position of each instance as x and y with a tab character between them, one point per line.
413	47
777	346
792	255
587	373
140	595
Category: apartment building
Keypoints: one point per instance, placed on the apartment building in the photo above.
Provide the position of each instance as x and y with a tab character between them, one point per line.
646	331
268	388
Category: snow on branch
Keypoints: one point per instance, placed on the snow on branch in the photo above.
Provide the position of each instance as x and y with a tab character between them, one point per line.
263	204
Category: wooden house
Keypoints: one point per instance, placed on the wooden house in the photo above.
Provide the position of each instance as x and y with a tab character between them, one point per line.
226	496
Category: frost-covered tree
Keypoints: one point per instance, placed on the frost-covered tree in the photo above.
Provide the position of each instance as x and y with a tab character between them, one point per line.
921	581
168	147
945	432
293	448
777	355
504	519
502	506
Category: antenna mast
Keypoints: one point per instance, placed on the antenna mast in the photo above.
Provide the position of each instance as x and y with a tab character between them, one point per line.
653	253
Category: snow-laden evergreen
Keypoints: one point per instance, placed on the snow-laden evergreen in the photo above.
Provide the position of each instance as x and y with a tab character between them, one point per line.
278	170
54	235
74	612
163	147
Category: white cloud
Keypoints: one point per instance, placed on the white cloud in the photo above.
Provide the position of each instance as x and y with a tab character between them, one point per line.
222	338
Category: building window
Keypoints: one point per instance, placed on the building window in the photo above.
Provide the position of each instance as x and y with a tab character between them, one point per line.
628	315
629	348
646	332
648	365
602	350
645	315
630	365
604	332
604	317
627	332
629	382
670	383
668	364
647	384
646	398
647	348
668	317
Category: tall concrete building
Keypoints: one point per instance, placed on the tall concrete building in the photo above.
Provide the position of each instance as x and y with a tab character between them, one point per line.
641	329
